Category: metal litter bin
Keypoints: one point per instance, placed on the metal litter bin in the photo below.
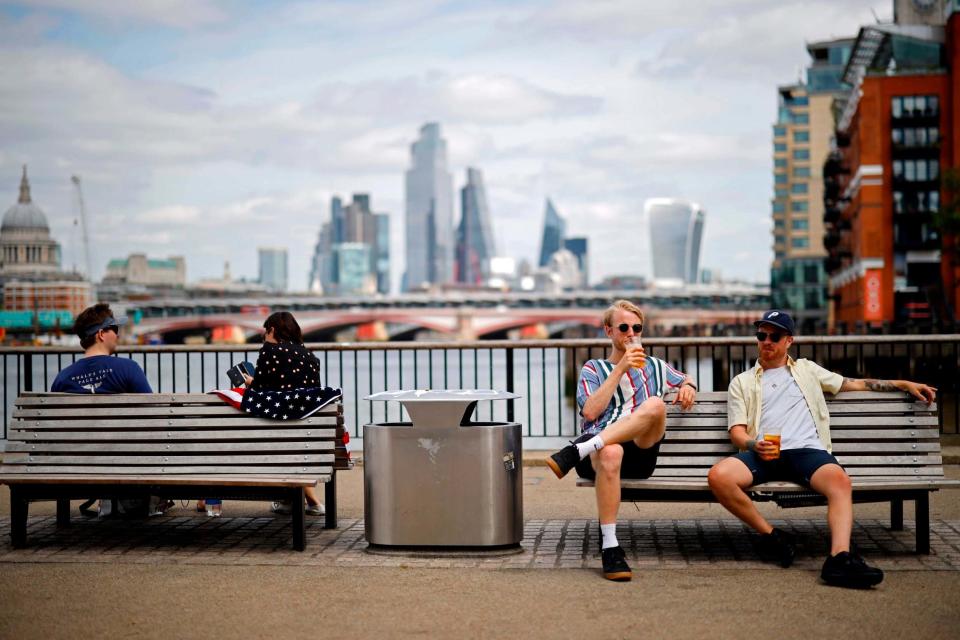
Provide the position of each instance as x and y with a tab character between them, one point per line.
442	480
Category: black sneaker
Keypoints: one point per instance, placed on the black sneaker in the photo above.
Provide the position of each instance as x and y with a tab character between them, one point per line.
849	570
567	458
779	544
615	565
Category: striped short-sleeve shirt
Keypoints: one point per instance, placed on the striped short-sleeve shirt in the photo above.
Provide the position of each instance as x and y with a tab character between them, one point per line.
635	387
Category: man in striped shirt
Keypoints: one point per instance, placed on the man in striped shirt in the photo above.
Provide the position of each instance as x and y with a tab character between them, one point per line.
624	420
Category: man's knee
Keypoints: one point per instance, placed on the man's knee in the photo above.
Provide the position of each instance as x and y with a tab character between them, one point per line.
609	459
833	480
654	406
724	475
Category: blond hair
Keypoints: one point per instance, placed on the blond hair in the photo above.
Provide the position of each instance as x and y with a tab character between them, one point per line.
626	305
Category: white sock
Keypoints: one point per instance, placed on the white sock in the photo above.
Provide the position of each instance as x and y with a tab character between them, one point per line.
593	444
609	533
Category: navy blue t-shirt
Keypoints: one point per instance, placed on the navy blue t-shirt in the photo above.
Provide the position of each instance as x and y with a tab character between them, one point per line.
102	374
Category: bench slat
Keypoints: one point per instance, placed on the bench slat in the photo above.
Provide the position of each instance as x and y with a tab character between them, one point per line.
250	471
846	460
167	447
226	480
178	435
134	399
140	459
236	420
82	413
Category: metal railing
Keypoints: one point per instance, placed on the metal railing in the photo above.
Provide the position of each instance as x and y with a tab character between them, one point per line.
543	373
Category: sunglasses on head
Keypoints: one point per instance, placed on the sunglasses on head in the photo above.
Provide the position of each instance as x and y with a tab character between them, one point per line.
774	337
637	328
113	328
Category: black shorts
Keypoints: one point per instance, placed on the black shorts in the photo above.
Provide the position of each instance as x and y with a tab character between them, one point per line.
794	465
638	464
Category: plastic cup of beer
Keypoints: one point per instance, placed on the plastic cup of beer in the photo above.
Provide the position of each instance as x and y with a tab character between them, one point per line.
635	342
772	435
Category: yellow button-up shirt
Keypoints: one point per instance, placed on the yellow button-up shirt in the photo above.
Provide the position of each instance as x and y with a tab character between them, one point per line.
745	396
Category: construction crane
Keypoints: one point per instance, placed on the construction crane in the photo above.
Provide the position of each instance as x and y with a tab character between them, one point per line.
83	222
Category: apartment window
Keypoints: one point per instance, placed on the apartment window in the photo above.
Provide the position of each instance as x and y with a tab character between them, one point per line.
779	132
780	193
800	101
801	172
801	154
898	202
933	200
811	274
779	238
914	106
779	147
779	225
800	224
780	163
799	206
780	178
778	207
801	135
799	243
799	187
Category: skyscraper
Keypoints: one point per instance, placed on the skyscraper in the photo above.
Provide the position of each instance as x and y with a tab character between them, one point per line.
355	225
475	244
801	143
676	233
554	233
429	211
579	247
273	268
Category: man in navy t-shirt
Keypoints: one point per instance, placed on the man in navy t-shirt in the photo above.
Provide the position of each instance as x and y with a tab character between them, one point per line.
99	371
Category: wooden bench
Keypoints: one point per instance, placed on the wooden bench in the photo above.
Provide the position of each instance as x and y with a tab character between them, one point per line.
187	446
888	443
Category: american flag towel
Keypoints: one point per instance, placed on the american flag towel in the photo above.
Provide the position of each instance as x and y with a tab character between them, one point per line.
293	404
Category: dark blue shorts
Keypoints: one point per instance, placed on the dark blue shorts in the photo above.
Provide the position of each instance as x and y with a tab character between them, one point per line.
638	464
794	465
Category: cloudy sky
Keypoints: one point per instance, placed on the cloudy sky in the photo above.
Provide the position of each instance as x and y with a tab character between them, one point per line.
207	128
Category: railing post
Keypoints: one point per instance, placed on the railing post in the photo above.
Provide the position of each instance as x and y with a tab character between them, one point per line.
28	371
510	413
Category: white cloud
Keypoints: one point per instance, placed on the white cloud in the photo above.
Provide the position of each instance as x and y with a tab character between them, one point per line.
174	214
172	13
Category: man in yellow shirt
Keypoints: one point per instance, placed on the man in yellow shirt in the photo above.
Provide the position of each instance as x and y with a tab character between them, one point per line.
786	396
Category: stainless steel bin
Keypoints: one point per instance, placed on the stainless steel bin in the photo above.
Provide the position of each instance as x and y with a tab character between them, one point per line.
441	480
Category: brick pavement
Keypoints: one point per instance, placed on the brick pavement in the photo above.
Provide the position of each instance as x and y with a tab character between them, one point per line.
548	544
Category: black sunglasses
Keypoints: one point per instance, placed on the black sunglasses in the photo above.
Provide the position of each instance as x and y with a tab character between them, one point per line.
637	328
774	337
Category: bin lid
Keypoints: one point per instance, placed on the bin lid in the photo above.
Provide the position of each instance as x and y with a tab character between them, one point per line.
437	395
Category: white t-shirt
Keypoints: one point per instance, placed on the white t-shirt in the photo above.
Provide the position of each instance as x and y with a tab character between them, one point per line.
784	405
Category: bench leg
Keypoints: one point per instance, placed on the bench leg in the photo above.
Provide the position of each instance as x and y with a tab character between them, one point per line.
922	505
19	508
299	520
896	514
330	498
63	513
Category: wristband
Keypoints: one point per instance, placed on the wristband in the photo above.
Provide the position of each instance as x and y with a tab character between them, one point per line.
751	445
687	383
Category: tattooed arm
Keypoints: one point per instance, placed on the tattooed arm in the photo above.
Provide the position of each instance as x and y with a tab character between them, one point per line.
918	390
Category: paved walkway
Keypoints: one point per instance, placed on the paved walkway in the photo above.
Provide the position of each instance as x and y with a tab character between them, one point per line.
548	544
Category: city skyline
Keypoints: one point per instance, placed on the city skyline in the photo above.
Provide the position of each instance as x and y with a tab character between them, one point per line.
185	119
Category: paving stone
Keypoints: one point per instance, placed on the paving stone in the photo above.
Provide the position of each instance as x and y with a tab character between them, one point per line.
549	544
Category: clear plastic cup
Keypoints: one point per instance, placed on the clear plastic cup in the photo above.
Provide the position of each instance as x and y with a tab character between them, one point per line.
635	342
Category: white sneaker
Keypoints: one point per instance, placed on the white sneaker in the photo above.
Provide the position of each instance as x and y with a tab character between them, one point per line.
280	507
315	509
